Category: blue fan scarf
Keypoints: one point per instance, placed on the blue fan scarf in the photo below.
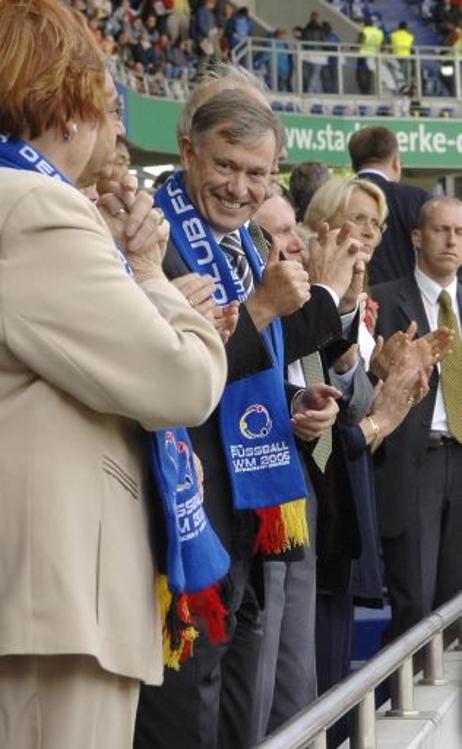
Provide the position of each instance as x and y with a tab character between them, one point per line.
262	460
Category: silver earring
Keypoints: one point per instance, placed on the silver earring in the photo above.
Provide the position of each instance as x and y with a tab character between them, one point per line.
71	132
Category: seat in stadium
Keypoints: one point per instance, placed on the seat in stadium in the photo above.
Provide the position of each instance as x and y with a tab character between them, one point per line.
447	112
425	111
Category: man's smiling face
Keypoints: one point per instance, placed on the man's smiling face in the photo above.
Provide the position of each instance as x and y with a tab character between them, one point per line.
227	182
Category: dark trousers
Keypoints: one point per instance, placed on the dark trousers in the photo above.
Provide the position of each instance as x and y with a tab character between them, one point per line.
208	703
334	629
423	565
363	77
334	632
329	78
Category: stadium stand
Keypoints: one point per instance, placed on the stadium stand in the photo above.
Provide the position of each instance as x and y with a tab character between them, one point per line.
159	47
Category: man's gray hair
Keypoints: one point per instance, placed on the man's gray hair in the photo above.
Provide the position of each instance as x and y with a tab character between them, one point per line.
237	73
239	116
221	76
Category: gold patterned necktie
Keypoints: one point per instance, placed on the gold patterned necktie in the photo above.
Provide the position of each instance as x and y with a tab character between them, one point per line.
313	371
451	368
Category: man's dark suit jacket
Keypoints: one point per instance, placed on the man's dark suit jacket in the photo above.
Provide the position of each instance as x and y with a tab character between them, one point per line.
394	257
315	326
402	452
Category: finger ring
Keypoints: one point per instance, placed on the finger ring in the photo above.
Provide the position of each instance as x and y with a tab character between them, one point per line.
410	400
119	212
191	302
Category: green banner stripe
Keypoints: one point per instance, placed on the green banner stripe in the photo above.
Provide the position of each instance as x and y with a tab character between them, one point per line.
425	143
151	123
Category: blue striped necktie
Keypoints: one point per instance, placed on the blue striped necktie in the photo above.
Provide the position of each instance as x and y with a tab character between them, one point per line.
232	247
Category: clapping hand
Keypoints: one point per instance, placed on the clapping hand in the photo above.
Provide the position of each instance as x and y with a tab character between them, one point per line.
393	399
314	410
198	290
423	353
387	354
226	318
337	260
140	230
440	341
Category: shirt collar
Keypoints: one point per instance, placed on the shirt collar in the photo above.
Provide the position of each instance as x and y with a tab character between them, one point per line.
373	171
431	290
218	236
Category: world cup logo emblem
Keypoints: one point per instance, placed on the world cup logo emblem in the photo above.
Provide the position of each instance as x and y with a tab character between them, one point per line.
255	422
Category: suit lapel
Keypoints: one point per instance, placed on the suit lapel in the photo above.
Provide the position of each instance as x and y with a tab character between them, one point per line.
410	302
459	298
411	305
260	238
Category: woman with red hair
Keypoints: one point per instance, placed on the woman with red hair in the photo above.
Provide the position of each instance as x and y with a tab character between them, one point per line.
86	356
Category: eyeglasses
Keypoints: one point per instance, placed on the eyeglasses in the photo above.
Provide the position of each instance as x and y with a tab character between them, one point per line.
117	109
360	219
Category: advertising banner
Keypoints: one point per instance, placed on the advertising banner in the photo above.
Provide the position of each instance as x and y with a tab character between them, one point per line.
424	143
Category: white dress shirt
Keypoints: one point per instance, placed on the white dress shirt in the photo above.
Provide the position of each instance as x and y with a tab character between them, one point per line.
366	343
430	291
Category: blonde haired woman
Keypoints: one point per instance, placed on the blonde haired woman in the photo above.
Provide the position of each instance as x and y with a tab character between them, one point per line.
356	200
361	204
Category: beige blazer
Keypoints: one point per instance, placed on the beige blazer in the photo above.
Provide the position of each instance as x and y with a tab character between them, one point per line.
85	356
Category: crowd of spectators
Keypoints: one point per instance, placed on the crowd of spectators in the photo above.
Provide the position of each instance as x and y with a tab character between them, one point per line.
319	69
444	15
162	44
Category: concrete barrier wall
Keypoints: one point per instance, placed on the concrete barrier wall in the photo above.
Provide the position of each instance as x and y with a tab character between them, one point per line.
297	12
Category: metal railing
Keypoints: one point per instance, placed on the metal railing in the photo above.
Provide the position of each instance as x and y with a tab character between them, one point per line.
434	71
308	729
150	85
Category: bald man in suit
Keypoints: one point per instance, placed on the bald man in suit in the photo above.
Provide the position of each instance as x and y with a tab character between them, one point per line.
419	467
